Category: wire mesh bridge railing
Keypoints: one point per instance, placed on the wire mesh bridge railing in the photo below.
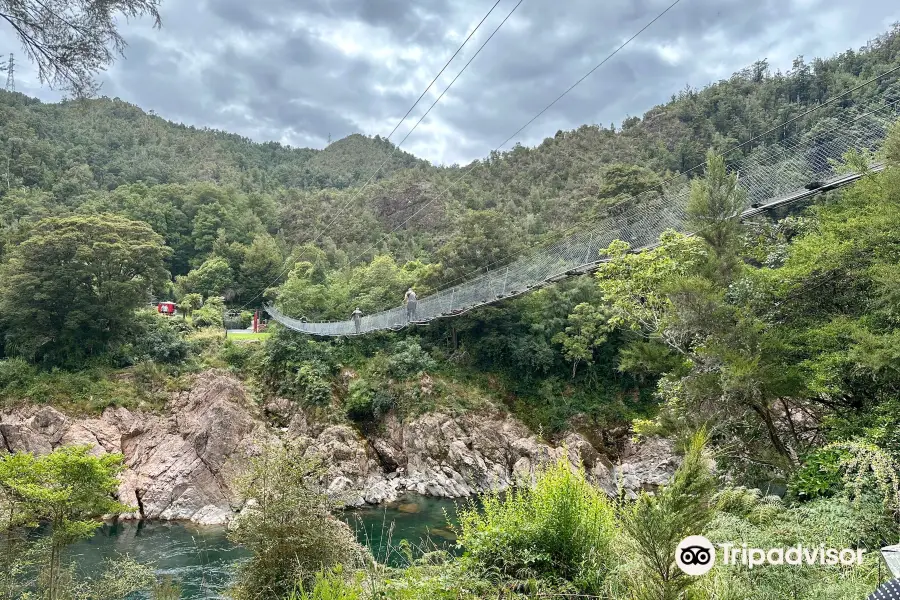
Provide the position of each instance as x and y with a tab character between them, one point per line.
771	176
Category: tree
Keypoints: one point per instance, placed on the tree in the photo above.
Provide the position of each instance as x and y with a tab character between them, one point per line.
189	303
628	180
261	266
18	513
636	285
211	314
67	489
213	278
381	283
71	287
287	526
484	238
714	205
587	329
302	297
72	41
656	523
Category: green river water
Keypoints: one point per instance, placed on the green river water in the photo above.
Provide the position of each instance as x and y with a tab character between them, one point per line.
202	558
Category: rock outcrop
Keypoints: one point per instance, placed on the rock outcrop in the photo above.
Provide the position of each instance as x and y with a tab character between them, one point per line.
180	466
455	457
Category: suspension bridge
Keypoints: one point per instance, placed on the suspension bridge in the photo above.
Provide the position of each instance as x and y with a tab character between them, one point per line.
773	176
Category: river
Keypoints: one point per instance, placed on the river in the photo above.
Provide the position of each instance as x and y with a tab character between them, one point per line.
202	559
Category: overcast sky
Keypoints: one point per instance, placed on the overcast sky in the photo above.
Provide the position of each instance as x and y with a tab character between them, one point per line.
299	71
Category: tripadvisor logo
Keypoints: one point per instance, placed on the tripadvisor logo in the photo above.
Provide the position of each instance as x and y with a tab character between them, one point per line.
696	555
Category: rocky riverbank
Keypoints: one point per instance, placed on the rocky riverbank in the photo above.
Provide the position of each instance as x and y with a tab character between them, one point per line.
180	465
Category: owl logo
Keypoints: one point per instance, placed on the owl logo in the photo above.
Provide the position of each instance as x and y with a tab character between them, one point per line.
695	555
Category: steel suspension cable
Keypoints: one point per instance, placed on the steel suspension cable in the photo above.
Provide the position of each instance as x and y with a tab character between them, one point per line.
530	121
397	126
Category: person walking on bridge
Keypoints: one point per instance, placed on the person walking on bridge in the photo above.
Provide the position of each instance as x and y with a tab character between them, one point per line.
410	299
355	316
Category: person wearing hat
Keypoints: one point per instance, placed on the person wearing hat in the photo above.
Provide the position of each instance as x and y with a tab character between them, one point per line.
355	316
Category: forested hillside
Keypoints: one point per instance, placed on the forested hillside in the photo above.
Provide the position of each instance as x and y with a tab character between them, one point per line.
78	156
104	143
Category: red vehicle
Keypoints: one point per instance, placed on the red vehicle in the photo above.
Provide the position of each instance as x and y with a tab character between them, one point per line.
166	308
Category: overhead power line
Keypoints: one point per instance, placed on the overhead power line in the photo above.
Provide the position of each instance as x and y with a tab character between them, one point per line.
400	122
433	104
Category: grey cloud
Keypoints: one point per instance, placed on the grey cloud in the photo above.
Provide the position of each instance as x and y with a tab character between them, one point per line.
240	15
405	20
632	81
258	69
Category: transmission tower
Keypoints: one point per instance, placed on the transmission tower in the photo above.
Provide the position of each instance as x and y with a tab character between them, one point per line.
10	74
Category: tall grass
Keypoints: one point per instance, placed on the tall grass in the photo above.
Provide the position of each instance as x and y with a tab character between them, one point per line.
561	528
330	585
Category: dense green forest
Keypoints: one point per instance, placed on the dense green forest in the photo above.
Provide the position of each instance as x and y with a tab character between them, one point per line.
772	347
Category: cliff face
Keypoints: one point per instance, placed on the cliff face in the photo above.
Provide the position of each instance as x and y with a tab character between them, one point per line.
180	465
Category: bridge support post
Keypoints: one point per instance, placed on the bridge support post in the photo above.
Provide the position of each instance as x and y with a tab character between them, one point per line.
505	277
587	252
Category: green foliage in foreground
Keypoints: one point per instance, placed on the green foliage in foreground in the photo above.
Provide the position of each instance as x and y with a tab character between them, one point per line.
768	522
560	528
66	490
655	524
563	537
288	526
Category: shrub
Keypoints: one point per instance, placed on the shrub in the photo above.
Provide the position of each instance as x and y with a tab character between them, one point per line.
238	356
154	338
819	476
16	373
87	391
149	378
854	469
288	529
561	528
166	588
408	359
284	355
246	319
655	524
831	522
331	585
311	384
181	326
364	403
211	314
208	340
